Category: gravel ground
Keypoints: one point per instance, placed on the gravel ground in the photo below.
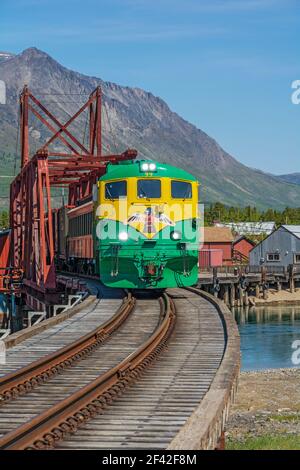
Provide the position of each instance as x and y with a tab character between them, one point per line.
267	403
282	297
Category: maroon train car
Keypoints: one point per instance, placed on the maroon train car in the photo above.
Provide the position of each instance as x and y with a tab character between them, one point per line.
80	237
73	237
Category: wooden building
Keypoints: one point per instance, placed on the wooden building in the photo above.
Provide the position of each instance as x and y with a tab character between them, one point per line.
217	247
281	247
241	247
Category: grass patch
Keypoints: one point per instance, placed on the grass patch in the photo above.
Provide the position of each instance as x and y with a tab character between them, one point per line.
285	418
266	442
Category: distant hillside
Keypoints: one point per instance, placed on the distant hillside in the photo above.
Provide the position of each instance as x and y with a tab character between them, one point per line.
137	119
290	178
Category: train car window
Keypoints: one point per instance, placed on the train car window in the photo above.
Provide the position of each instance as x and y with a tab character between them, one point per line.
115	189
90	222
81	225
181	190
149	189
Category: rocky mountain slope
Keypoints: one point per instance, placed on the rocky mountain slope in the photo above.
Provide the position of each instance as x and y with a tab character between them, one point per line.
132	118
5	56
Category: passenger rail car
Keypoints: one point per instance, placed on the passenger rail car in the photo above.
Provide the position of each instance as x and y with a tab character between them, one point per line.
140	230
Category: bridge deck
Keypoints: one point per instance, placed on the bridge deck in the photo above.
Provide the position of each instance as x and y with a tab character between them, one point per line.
191	384
152	411
61	334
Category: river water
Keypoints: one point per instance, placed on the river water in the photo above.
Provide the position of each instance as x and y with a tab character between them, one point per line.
267	335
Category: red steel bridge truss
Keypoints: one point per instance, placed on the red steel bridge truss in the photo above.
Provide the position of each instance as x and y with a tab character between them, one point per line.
32	241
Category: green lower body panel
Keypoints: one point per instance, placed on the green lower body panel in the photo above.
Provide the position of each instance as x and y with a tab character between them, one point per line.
140	263
143	270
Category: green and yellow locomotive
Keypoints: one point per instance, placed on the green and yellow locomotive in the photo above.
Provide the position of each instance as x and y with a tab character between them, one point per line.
142	227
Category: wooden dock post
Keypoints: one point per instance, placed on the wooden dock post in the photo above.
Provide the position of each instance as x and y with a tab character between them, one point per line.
226	295
241	296
278	286
216	283
257	291
246	298
232	295
292	281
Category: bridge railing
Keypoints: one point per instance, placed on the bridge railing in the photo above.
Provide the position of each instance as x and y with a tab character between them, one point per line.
249	269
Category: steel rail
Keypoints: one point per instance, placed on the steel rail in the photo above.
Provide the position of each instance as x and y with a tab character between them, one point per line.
26	378
43	431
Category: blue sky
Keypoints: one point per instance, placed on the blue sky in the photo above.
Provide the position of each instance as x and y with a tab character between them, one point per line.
224	65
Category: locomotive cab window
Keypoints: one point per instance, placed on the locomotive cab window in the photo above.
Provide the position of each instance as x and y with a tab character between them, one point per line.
115	189
181	190
148	189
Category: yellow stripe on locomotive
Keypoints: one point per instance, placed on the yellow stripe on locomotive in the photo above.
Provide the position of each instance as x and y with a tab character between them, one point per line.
146	226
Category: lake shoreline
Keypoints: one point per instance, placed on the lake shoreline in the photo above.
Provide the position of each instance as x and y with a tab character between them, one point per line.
275	303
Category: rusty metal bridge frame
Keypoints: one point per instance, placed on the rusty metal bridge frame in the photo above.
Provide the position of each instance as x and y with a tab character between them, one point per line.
32	241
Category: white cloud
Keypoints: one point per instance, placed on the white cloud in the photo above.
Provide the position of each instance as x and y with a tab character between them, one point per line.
112	31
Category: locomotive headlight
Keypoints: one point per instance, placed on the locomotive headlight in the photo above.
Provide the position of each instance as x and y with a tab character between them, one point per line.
176	235
148	166
145	167
123	236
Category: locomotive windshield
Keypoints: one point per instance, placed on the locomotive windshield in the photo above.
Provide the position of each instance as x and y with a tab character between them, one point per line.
149	189
181	190
115	189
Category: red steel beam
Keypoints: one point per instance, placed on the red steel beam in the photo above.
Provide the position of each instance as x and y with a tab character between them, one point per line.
62	127
51	128
24	126
32	244
129	154
98	121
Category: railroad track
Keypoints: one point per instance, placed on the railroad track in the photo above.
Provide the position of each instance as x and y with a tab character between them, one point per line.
25	379
154	412
47	414
169	405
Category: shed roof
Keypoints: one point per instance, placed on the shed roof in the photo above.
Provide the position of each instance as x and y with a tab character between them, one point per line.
217	235
256	228
294	229
243	237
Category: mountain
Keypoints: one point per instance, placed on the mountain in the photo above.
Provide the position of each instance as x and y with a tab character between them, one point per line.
290	178
5	56
132	118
